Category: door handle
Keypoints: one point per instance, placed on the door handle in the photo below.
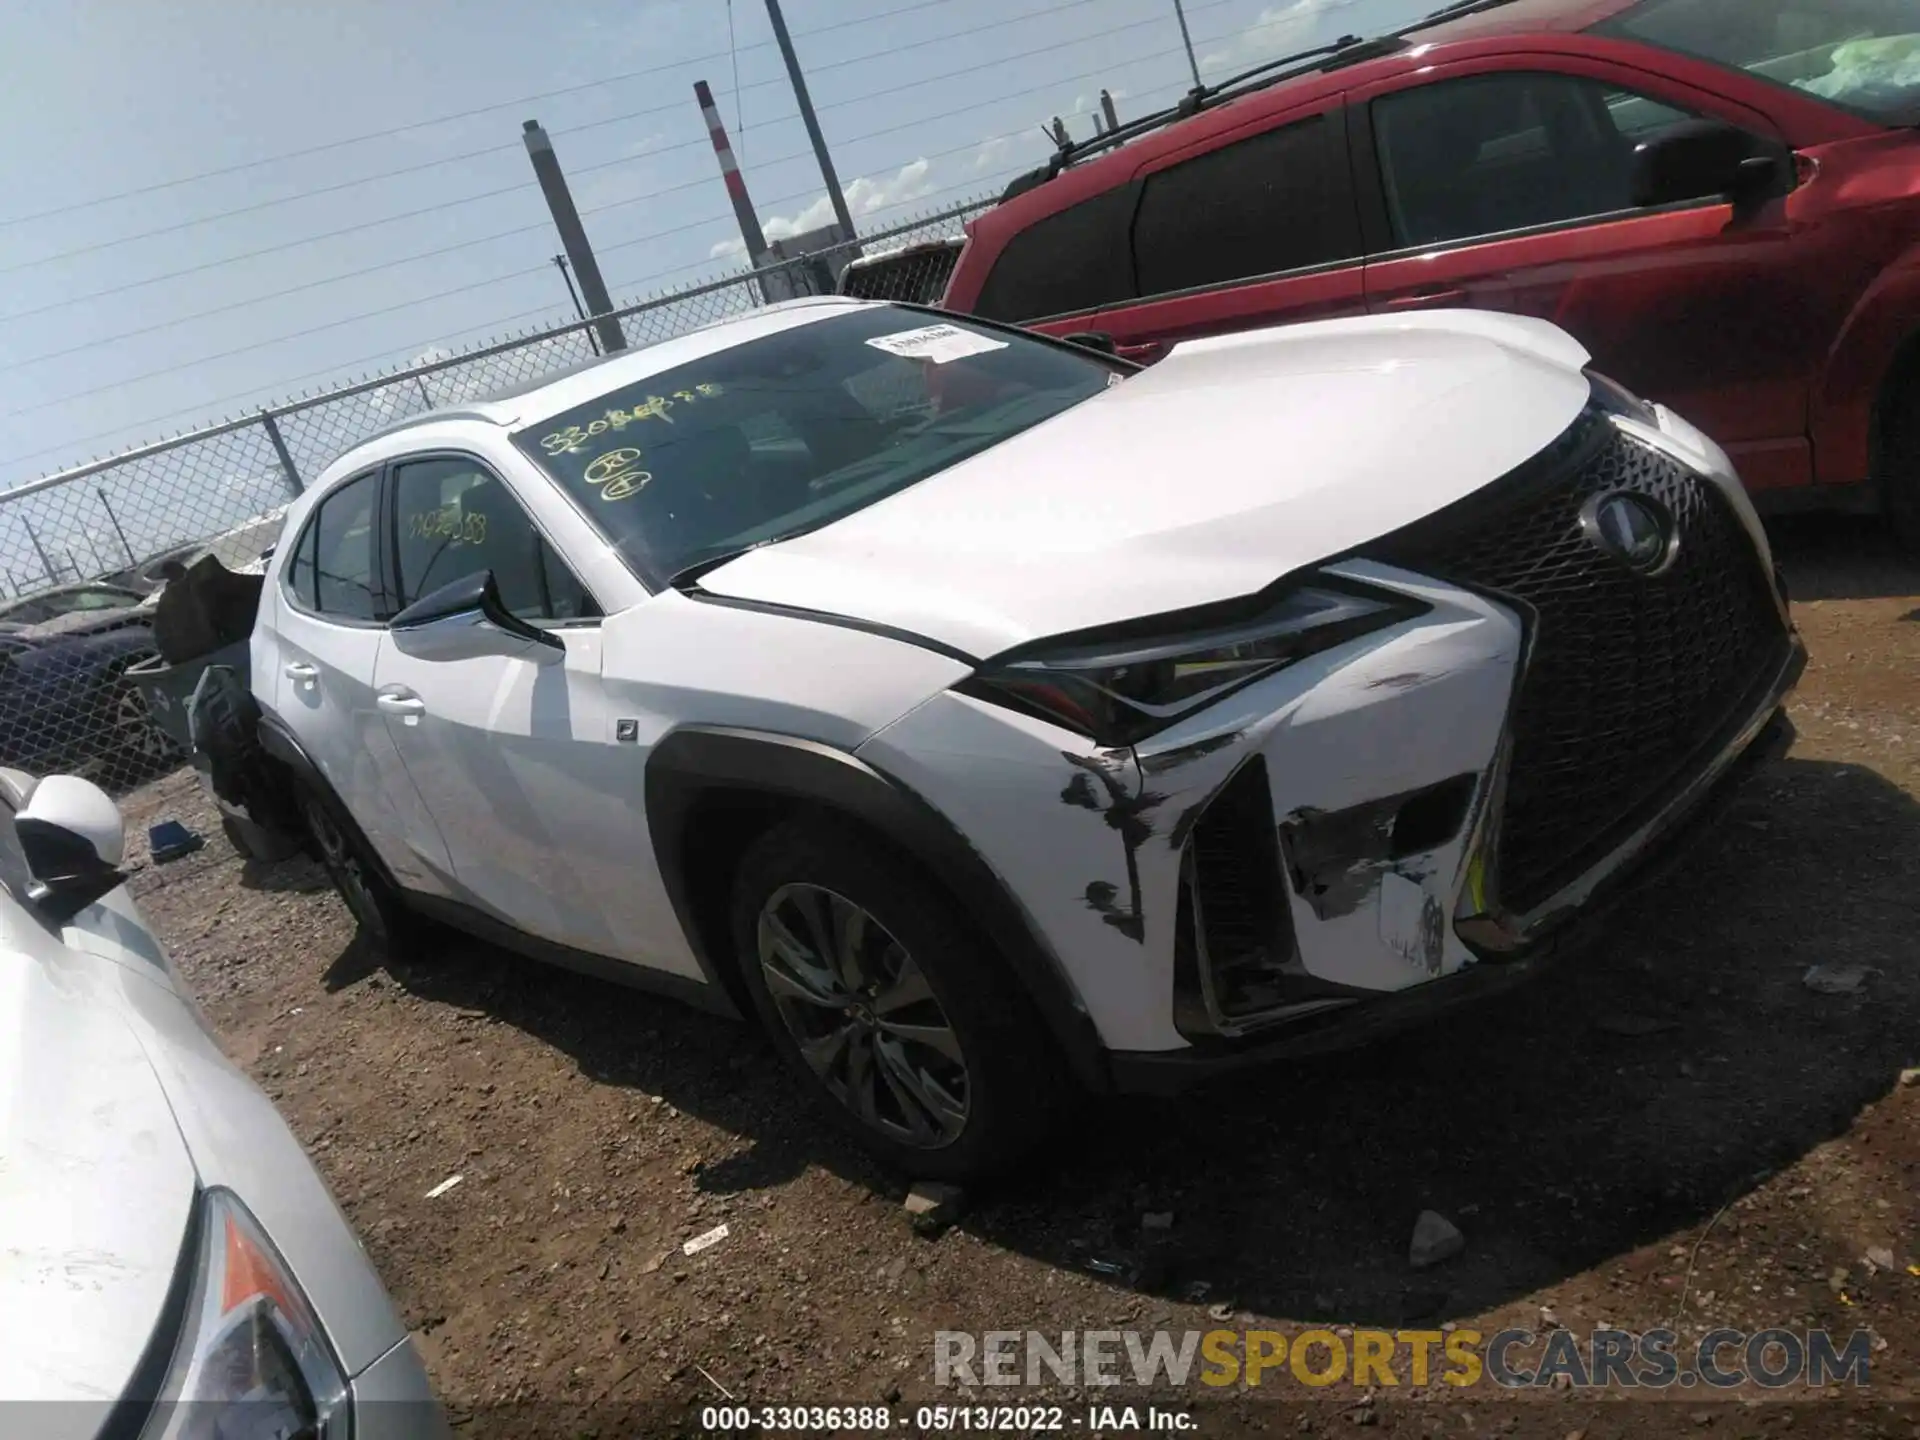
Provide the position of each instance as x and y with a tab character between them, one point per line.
299	670
401	702
1420	299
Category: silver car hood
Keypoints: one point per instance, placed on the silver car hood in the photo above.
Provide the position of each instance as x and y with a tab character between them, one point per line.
96	1187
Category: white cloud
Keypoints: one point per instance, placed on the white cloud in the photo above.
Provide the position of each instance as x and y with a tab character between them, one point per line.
1278	30
727	249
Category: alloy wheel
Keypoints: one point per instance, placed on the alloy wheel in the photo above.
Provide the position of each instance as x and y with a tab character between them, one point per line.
344	866
133	720
863	1016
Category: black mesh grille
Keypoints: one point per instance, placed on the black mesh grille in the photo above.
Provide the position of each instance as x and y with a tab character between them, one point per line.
1630	678
1236	867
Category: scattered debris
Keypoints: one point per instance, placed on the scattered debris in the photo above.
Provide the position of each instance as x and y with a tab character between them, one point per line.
444	1186
1910	1077
1632	1027
617	1224
706	1241
170	840
1835	979
1548	1320
1222	1311
1106	1267
1157	1220
1435	1239
932	1206
709	1379
1880	1257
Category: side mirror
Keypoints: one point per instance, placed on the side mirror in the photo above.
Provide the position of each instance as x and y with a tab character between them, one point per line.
1701	158
464	619
1098	340
73	838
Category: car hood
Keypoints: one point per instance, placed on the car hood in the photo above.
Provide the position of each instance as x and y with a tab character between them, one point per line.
86	622
1229	464
96	1191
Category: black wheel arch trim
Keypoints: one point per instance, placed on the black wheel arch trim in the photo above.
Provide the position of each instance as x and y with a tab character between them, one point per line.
695	761
279	742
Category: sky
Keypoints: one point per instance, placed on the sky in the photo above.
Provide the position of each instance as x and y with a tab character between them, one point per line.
207	205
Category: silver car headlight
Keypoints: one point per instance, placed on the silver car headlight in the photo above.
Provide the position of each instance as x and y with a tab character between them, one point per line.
252	1360
1141	679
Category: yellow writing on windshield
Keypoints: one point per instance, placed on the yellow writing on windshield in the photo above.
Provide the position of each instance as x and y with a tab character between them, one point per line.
617	474
575	438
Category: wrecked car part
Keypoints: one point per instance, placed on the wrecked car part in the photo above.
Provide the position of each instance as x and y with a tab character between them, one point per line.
1133	681
1335	860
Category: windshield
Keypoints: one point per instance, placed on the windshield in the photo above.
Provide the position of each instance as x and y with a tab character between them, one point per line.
1863	55
794	430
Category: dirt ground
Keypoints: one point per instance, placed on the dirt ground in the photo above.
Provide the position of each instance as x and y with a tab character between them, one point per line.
1680	1118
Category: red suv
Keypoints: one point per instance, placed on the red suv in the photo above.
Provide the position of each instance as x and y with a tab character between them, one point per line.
1719	198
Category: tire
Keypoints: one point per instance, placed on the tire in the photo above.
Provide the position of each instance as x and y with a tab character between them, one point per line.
935	1061
136	748
1900	459
373	901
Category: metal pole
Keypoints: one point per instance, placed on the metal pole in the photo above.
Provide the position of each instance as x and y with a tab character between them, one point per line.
574	295
1186	39
99	566
573	235
101	492
1106	108
272	427
807	117
46	560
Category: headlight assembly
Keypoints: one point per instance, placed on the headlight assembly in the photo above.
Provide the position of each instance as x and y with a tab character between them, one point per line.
1614	398
1120	691
251	1359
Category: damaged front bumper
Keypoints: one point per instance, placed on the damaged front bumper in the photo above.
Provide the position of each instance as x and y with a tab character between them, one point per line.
1343	1023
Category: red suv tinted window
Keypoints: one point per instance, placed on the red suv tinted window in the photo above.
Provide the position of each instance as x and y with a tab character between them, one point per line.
1078	259
1496	153
1281	200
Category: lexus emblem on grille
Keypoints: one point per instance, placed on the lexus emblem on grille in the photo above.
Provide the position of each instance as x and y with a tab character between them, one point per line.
1633	529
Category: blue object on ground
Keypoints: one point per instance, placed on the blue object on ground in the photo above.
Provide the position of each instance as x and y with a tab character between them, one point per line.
169	840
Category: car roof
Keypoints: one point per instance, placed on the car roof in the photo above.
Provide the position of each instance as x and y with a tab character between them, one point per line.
560	390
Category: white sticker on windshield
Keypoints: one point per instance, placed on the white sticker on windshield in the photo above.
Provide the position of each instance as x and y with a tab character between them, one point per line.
938	343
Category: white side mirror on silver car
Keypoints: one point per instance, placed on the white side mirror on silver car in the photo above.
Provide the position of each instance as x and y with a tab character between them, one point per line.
73	837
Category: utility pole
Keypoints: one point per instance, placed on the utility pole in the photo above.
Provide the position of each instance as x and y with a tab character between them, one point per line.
807	117
573	236
578	308
1187	40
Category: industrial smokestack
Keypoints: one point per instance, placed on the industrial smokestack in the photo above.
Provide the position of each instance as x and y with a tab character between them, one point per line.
730	172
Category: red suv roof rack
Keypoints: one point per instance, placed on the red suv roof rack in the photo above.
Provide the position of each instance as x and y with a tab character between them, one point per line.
1347	50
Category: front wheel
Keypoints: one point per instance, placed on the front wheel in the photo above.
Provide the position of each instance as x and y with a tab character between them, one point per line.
890	1006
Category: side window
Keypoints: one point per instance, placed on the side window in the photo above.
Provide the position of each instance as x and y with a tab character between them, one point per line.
1281	200
454	518
1494	153
342	552
1071	261
299	571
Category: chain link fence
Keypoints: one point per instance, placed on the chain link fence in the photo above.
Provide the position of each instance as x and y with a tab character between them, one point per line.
85	552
